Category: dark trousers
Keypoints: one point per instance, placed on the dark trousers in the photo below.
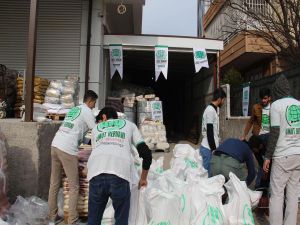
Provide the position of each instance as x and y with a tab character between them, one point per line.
106	186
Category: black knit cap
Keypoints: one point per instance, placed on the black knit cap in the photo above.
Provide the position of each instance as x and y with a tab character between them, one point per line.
281	88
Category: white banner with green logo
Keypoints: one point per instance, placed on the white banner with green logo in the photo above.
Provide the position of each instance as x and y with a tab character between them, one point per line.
246	97
161	61
116	59
200	58
156	111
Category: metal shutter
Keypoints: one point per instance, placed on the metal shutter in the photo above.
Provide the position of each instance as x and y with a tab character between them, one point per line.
58	36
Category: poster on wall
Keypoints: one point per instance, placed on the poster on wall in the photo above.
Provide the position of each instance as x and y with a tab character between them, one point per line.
200	58
246	97
156	111
116	59
161	61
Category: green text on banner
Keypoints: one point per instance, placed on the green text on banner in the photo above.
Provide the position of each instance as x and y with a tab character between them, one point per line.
116	59
161	61
200	58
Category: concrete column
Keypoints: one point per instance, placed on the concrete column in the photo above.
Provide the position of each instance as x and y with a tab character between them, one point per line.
96	69
97	78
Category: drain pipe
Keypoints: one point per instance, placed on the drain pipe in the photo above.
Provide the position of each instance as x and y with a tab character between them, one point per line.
88	47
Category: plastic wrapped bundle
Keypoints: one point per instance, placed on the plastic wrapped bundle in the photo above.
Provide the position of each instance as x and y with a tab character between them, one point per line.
66	98
51	100
154	135
52	92
68	90
56	84
33	211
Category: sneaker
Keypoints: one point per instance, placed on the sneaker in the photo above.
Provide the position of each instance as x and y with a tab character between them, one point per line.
56	221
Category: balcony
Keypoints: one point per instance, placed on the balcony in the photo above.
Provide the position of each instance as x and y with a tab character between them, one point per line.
243	50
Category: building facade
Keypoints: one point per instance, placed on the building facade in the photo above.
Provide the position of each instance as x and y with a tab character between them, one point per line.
253	57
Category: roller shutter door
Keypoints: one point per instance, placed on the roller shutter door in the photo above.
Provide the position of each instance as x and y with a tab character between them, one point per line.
58	36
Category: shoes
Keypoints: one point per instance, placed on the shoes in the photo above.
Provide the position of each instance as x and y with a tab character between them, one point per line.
56	221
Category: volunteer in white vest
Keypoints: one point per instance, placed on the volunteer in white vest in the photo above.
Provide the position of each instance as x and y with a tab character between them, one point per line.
109	166
284	150
210	128
64	150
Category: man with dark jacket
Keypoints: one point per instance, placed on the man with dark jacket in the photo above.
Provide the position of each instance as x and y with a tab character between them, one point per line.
284	150
230	156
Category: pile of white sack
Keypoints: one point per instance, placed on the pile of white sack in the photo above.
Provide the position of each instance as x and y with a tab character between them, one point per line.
62	95
183	195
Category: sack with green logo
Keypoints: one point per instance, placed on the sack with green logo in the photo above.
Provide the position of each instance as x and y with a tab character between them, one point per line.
162	207
238	208
206	202
181	189
156	168
187	162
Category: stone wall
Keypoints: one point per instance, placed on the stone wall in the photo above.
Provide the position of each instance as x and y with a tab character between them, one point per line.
28	156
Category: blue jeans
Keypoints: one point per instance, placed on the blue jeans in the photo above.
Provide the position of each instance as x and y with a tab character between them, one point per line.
206	156
101	188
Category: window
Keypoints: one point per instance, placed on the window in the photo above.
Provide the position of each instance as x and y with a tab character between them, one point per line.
258	6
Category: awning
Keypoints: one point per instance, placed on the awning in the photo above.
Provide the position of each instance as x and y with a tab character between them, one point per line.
175	44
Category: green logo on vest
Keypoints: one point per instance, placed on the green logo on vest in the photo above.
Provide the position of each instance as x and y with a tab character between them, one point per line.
200	55
73	114
293	115
265	121
111	125
213	216
247	215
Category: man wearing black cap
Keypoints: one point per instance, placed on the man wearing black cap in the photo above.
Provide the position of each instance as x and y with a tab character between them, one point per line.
284	150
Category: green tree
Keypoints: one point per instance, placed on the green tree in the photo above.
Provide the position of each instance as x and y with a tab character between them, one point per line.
232	77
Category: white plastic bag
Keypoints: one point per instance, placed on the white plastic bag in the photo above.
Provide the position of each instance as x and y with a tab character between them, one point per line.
52	92
33	211
206	201
137	214
3	222
60	203
108	215
162	207
238	208
4	205
187	163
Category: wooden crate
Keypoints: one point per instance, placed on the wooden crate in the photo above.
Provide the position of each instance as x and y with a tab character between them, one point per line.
56	117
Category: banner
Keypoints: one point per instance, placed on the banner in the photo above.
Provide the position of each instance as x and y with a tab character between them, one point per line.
246	96
200	58
116	59
161	61
156	111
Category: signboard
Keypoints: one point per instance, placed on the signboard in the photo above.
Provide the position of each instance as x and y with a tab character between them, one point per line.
161	61
156	111
200	58
246	97
116	59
